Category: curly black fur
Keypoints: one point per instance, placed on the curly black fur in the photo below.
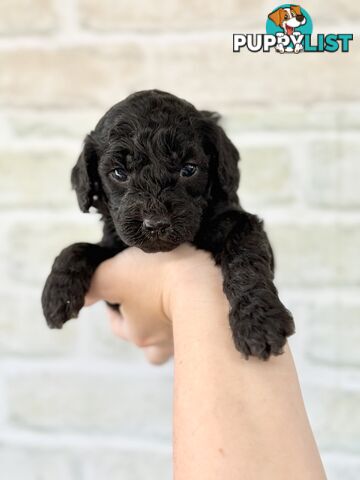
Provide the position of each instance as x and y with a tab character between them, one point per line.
131	170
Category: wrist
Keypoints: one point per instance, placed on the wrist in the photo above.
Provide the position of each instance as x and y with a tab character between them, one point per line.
193	285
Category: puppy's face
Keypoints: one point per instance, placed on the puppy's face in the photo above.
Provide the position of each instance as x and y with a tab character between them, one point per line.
154	164
288	18
155	179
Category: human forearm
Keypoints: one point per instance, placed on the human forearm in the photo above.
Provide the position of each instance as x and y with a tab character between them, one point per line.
234	418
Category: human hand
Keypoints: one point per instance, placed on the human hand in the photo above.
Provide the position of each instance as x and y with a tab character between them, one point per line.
146	319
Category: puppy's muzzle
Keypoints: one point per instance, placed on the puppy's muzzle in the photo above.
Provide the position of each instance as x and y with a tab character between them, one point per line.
300	18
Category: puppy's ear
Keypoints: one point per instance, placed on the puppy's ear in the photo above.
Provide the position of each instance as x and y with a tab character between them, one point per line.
224	158
296	9
85	178
276	16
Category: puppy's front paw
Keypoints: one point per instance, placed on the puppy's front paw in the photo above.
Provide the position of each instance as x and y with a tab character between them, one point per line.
260	325
62	298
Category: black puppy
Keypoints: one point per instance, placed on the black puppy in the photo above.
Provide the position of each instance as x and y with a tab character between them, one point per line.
162	173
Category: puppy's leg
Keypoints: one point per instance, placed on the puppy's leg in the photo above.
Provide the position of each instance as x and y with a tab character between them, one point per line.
69	280
259	321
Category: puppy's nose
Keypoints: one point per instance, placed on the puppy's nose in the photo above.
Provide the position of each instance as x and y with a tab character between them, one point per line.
300	18
153	224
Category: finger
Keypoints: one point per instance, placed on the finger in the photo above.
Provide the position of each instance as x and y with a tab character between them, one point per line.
157	355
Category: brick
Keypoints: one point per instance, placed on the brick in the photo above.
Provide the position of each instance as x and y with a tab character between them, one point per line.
331	411
192	68
52	124
332	172
32	464
36	178
111	15
70	76
284	117
201	14
23	330
337	12
100	76
75	124
130	466
31	246
349	117
316	254
131	405
333	333
266	175
27	17
308	118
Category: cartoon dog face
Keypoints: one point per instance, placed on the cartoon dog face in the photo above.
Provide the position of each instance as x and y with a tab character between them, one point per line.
288	18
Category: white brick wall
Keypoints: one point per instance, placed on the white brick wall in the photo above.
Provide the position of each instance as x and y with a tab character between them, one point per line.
79	404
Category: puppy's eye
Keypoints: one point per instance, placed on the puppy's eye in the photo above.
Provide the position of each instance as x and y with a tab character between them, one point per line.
286	17
188	170
119	174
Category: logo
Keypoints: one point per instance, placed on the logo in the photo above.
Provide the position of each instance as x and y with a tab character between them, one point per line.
289	29
289	23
